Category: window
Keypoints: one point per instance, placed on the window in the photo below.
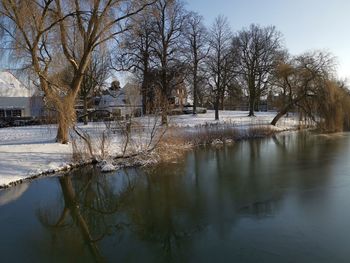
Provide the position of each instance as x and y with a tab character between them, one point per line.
11	113
16	113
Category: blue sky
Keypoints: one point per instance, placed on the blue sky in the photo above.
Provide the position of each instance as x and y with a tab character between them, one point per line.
305	24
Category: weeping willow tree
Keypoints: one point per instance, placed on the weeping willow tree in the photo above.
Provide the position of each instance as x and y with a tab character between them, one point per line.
306	84
332	108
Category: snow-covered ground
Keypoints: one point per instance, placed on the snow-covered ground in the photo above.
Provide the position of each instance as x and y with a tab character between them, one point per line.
236	118
29	151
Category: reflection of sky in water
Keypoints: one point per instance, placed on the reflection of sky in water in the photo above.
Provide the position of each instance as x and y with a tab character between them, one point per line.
12	194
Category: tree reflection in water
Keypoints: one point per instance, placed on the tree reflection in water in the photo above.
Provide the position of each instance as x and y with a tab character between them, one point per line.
88	204
162	208
162	213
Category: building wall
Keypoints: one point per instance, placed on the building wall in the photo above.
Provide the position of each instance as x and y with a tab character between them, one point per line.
37	107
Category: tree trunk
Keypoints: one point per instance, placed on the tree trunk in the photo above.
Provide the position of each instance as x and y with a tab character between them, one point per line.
62	131
72	204
216	112
194	103
66	118
251	107
165	91
281	114
217	99
195	91
222	99
216	106
252	96
257	105
85	111
164	118
144	100
144	92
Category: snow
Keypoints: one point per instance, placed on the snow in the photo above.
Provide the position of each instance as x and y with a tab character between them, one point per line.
18	161
30	151
237	118
12	87
107	166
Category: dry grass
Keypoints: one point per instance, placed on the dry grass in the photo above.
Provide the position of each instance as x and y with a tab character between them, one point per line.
172	146
210	135
177	142
259	132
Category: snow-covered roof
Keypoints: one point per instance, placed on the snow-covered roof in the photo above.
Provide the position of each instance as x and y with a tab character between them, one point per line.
10	86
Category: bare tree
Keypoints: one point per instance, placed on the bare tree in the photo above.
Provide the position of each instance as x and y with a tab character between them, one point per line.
218	62
257	49
94	78
136	54
169	18
196	40
45	30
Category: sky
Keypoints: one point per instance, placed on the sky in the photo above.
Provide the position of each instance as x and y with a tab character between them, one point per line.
305	24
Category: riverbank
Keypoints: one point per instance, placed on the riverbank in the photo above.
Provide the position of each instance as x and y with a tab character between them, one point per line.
31	152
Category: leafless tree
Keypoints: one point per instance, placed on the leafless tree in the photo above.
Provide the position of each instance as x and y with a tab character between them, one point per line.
169	22
94	78
257	49
219	58
46	31
197	45
135	54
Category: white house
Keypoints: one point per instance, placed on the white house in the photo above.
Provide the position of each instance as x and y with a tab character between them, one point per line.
122	102
15	98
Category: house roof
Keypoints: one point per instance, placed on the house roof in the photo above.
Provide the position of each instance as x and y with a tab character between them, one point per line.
10	86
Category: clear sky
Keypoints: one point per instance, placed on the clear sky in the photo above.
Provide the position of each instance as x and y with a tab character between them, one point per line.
305	24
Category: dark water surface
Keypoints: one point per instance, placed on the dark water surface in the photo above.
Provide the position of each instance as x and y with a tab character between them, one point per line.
285	199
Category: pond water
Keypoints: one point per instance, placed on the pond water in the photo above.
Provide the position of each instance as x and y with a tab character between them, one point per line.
282	199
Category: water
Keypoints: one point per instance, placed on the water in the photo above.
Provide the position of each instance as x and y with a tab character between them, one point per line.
285	199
